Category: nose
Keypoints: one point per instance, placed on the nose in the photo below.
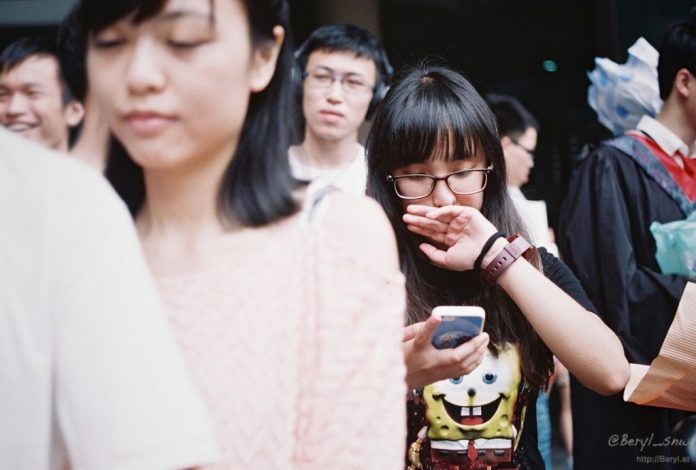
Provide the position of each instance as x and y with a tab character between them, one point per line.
335	92
17	105
143	73
471	392
442	195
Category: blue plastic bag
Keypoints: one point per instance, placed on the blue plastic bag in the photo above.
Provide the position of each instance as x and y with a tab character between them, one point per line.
676	246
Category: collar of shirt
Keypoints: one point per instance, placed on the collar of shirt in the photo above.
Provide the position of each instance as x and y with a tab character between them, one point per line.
339	177
665	138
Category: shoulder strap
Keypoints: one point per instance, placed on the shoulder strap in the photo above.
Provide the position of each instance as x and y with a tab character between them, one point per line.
315	205
647	161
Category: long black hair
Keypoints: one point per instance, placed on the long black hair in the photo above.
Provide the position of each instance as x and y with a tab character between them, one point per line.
257	185
434	112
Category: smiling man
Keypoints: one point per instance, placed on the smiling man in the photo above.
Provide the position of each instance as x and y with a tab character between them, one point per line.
345	73
34	99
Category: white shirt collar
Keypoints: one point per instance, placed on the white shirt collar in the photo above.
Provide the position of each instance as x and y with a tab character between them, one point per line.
343	177
663	137
516	193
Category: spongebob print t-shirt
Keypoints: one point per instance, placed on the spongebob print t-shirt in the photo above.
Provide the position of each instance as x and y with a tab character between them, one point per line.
477	420
486	419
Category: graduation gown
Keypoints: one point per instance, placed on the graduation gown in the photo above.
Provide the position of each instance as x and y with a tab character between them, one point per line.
604	237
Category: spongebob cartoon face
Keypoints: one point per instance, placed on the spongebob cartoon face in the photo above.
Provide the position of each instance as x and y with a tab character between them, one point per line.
477	406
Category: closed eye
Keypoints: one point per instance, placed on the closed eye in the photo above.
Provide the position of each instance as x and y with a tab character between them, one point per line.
461	174
415	178
108	43
184	44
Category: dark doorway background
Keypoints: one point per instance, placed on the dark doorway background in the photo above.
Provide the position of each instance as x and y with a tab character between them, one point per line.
500	45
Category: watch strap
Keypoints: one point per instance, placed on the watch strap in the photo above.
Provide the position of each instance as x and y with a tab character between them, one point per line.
516	247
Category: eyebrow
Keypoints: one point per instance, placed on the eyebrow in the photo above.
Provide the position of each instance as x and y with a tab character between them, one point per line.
346	74
23	85
184	13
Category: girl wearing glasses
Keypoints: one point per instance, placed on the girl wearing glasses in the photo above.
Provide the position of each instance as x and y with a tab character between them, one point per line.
274	315
437	168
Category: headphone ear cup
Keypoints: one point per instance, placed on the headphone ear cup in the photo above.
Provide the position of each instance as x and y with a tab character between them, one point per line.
298	71
380	91
387	71
296	78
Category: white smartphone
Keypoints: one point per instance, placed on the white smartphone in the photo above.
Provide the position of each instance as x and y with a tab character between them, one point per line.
459	324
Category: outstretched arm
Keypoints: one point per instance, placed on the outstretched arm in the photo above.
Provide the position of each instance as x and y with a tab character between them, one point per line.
590	350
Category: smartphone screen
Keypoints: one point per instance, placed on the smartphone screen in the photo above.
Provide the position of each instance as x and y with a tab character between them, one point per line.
457	329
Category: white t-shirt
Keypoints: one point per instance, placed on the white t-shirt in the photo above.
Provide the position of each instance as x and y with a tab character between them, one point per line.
89	372
350	178
534	216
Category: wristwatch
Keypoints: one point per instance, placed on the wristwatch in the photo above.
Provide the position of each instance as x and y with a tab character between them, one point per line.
516	247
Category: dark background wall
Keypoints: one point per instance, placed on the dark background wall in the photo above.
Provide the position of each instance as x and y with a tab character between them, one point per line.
537	50
504	46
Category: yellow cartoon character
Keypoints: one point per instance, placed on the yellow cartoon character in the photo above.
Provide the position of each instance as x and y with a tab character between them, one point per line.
470	418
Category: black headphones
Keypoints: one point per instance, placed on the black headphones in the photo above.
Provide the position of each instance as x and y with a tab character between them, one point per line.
384	69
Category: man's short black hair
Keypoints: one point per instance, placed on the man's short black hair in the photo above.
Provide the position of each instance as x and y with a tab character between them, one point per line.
677	51
343	37
512	118
22	49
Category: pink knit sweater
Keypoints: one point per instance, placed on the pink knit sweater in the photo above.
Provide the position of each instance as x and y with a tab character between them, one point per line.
295	343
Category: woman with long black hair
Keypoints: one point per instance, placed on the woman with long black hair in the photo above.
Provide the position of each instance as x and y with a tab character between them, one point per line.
437	168
292	329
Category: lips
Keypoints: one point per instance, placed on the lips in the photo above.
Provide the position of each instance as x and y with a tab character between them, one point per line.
331	114
472	415
147	123
20	126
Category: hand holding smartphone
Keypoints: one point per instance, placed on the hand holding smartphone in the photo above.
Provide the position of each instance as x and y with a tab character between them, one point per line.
459	324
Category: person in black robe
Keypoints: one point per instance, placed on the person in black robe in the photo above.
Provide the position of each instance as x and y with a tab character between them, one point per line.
618	190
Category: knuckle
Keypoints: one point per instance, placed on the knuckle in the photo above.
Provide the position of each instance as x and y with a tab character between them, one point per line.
462	354
453	360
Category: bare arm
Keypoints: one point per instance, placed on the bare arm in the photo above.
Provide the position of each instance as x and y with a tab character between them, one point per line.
590	350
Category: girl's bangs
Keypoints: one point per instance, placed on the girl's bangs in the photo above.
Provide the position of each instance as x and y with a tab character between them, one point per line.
97	14
436	126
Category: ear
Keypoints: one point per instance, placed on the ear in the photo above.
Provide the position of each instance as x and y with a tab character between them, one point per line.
264	59
684	83
73	112
505	142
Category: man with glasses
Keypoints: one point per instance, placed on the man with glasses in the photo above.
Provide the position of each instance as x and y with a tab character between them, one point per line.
344	75
518	131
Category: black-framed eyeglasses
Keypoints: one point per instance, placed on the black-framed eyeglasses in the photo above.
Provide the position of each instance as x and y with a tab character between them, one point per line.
324	77
462	182
529	151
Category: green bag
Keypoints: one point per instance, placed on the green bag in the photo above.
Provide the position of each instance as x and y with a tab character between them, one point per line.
676	246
